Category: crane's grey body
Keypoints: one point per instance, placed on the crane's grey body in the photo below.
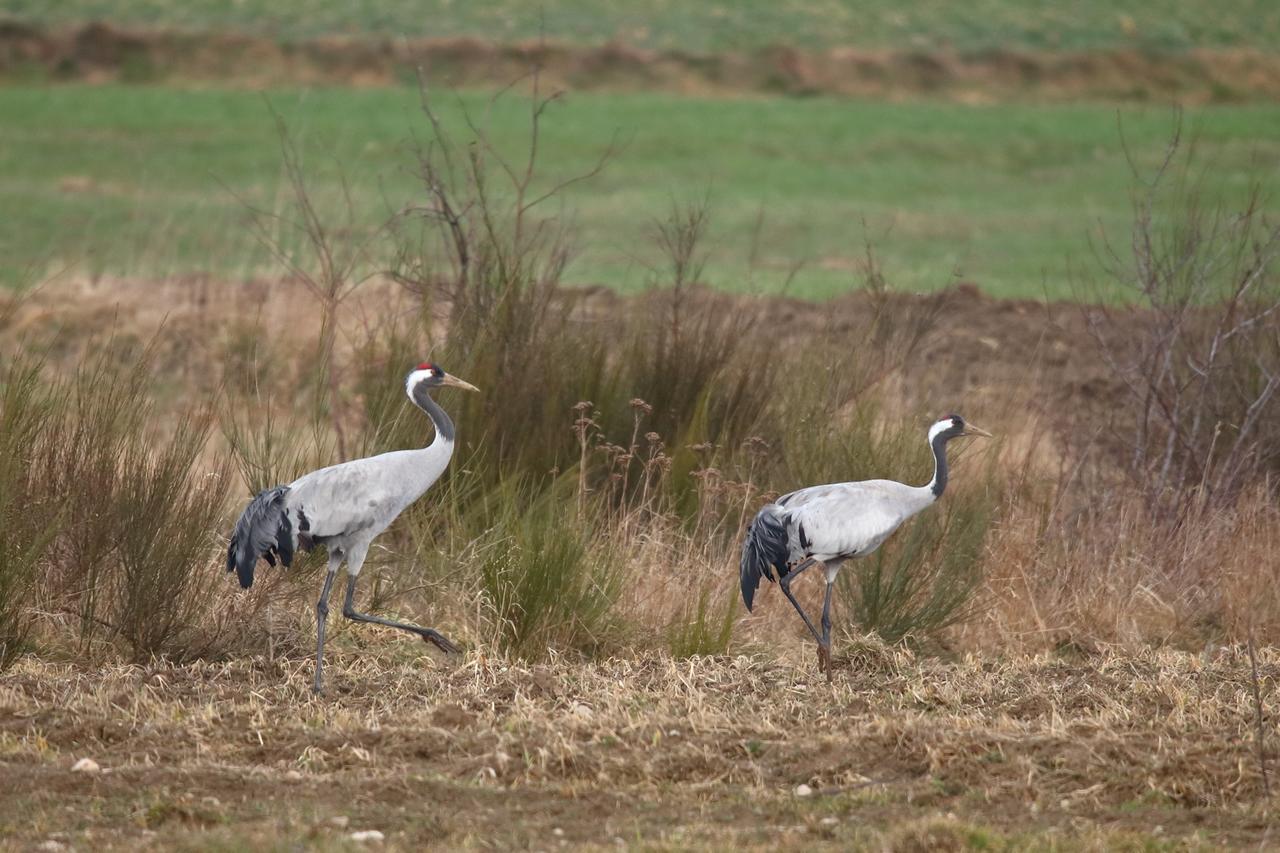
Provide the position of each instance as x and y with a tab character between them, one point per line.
345	507
826	525
845	520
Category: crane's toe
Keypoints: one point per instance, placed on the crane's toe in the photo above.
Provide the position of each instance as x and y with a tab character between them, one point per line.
438	640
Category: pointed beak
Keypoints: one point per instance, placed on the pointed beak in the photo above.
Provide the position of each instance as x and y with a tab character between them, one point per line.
970	429
454	382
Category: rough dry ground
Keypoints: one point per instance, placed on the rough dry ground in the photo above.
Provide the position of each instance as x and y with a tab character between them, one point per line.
1143	751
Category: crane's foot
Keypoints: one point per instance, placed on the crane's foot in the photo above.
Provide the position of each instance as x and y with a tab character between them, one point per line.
438	640
824	661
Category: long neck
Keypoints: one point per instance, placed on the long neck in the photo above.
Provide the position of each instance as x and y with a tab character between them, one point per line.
939	481
443	424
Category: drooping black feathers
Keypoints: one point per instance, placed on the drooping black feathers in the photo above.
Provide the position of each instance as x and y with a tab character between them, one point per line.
764	552
264	530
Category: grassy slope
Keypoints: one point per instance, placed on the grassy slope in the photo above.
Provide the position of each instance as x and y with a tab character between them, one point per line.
122	179
705	26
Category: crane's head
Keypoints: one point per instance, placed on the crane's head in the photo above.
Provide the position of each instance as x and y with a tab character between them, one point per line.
954	426
428	376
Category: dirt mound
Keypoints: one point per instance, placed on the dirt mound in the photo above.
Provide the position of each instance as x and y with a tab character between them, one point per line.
99	52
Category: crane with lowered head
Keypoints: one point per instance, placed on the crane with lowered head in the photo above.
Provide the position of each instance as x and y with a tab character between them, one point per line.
344	507
826	525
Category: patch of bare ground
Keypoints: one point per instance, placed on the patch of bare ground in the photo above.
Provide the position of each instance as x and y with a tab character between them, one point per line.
648	751
99	52
982	348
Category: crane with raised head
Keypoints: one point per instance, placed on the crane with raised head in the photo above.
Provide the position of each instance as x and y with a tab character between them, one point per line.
826	525
344	507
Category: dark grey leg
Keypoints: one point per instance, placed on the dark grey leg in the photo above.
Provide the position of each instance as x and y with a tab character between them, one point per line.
785	583
322	615
824	645
431	636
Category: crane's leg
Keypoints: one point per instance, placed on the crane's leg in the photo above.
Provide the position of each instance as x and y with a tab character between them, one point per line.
831	568
824	645
354	562
785	583
322	616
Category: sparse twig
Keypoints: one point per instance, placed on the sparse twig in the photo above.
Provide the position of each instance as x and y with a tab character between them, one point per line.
1257	707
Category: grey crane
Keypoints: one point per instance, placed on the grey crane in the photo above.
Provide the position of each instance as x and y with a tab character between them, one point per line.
826	525
344	507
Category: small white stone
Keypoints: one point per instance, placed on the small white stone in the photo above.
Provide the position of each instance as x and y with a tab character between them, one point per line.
51	845
293	776
580	710
86	765
340	821
557	831
803	790
829	821
363	836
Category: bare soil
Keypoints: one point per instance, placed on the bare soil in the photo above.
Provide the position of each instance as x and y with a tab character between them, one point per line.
977	350
99	53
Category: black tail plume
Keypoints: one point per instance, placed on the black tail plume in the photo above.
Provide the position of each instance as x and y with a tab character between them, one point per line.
264	530
764	552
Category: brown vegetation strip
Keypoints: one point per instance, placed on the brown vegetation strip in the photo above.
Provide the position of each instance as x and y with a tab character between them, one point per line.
634	747
98	52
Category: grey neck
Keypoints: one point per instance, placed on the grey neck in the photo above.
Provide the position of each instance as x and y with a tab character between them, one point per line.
444	426
939	445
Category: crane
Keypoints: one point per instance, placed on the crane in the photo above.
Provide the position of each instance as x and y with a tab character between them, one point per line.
826	525
344	507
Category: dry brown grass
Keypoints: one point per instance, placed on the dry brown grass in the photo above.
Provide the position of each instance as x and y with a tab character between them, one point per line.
1113	576
1150	748
1062	565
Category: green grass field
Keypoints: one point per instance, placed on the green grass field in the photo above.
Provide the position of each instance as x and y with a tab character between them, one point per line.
155	181
704	26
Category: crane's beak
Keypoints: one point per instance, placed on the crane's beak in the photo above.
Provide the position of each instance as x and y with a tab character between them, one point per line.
454	382
970	429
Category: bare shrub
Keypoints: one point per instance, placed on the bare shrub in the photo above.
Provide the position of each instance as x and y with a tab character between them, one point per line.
330	262
477	249
1196	343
